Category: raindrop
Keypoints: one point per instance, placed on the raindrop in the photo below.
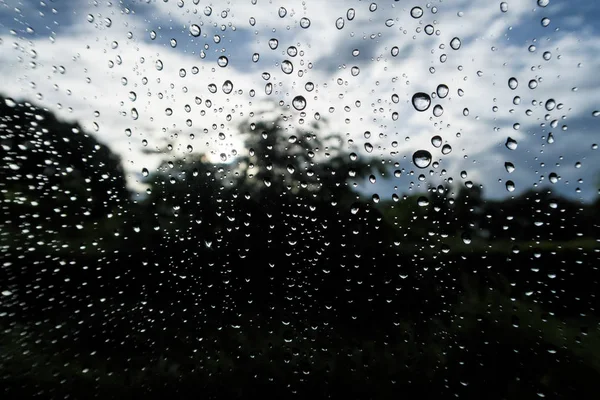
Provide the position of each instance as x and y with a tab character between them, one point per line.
442	91
368	147
543	3
510	167
422	158
510	186
550	104
339	23
10	102
354	208
299	103
292	51
355	71
395	50
287	67
422	201
389	22
207	11
455	43
309	86
553	177
438	110
195	30
268	88
373	7
304	22
273	43
152	35
447	149
222	61
547	55
90	18
504	6
545	21
159	65
212	88
513	83
350	14
532	84
596	113
436	141
511	143
466	238
282	12
145	172
421	101
416	12
227	87
255	57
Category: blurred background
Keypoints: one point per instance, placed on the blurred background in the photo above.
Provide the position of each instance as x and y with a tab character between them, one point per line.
343	198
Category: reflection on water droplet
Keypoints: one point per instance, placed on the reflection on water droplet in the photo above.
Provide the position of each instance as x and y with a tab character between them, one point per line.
553	177
10	102
421	101
422	201
355	208
145	172
466	238
422	158
299	103
416	12
368	147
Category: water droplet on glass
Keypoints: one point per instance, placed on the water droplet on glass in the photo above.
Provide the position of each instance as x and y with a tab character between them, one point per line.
545	21
227	87
222	61
511	144
355	71
273	43
282	12
373	7
90	18
510	186
550	104
368	147
159	65
422	201
547	55
389	22
212	88
421	101
195	30
350	14
292	51
510	167
532	84
299	103
422	158
438	110
513	83
596	113
416	12
446	149
207	11
455	43
543	3
10	102
339	23
504	6
255	57
466	238
354	208
553	177
436	141
145	172
395	50
309	86
442	91
287	66
304	22
152	35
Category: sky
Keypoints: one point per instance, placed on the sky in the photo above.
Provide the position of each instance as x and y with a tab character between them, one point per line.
139	75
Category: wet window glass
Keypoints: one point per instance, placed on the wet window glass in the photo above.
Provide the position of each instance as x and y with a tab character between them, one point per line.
299	198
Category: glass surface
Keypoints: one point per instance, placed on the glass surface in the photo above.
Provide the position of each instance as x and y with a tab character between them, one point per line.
375	199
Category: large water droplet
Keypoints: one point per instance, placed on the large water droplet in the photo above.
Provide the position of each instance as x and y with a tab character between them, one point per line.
299	103
442	91
195	30
422	158
446	149
287	66
455	43
421	101
511	143
416	12
436	141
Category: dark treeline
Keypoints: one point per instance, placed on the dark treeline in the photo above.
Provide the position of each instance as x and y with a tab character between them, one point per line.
272	273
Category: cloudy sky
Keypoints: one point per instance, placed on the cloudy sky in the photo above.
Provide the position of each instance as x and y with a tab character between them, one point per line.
149	66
